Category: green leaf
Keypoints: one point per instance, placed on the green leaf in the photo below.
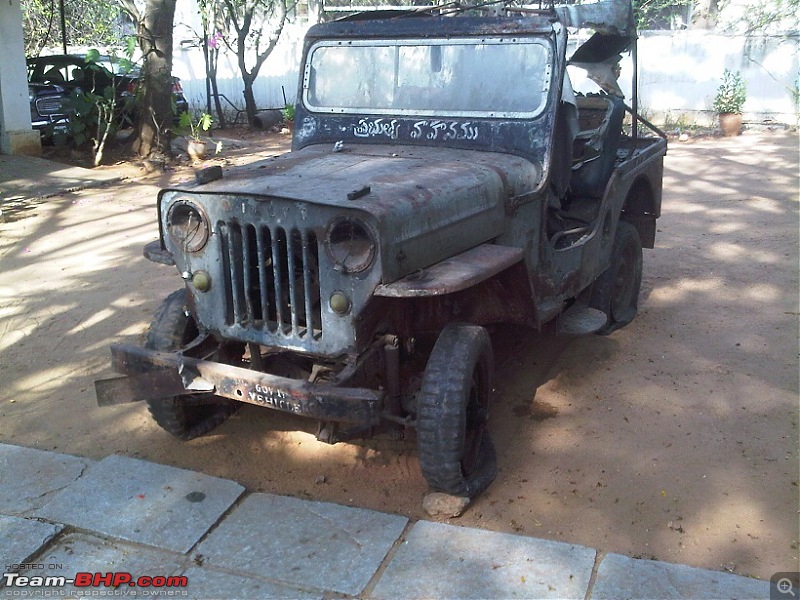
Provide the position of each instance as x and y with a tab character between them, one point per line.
130	46
126	65
93	55
185	120
731	94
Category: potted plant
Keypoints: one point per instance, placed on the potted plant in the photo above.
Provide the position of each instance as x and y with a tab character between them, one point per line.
195	147
729	101
288	116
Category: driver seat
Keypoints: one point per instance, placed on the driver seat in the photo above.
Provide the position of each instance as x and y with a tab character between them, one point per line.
596	144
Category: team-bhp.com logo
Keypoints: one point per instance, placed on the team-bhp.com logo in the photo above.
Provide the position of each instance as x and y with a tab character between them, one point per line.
119	581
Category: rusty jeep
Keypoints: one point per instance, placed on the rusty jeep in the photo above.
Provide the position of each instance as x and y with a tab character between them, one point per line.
444	176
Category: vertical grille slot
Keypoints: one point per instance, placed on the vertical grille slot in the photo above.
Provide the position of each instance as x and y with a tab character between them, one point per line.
264	250
280	280
271	279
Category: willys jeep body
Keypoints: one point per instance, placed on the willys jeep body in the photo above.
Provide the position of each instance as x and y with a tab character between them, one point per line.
443	177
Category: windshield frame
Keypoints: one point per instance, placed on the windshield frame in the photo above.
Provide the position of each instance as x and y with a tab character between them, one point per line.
538	40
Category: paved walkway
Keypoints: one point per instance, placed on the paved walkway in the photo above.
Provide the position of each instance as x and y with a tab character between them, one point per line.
25	177
61	515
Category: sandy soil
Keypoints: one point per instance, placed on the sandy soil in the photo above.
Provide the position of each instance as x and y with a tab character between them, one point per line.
675	438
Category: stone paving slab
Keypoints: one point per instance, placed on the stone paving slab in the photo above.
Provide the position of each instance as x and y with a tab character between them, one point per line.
303	543
280	547
210	583
29	477
444	561
143	502
83	553
20	538
623	577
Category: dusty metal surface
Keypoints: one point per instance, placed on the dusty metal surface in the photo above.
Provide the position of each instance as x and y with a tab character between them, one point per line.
265	255
162	372
156	253
609	17
454	274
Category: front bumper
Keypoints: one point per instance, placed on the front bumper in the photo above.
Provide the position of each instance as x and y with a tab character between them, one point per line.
151	375
58	123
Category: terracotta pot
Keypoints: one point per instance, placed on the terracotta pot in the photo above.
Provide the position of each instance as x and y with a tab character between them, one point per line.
196	149
730	124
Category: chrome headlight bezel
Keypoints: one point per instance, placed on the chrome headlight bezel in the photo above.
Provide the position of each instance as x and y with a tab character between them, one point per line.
187	225
351	244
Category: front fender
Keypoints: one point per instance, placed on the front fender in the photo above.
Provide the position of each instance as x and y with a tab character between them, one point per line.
454	274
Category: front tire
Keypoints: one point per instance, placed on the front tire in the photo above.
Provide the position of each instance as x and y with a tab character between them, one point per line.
456	453
185	417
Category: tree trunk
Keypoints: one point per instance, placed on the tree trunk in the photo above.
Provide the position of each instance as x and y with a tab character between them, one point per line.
154	117
213	63
249	97
315	12
705	14
242	23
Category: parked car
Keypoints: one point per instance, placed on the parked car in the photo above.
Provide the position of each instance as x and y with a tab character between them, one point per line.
444	177
49	108
75	72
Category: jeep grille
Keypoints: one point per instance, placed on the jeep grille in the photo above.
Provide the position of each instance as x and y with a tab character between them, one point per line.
271	279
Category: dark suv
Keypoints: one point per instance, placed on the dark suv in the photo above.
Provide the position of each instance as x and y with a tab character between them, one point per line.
443	177
76	72
49	108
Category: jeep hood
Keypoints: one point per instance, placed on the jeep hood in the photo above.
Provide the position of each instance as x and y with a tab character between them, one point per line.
426	204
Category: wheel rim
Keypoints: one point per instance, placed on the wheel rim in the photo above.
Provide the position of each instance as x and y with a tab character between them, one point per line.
475	423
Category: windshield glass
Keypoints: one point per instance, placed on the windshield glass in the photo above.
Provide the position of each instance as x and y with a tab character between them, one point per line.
486	77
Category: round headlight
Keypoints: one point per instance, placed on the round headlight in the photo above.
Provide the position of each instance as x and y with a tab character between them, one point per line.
350	245
187	226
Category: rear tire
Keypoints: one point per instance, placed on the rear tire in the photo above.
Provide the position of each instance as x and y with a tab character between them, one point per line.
456	453
172	329
616	291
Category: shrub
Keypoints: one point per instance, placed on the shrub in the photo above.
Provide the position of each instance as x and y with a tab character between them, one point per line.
731	94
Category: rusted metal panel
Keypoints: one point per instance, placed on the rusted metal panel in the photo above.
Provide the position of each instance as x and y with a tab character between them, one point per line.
142	386
609	17
405	26
155	251
401	177
267	254
463	192
454	274
319	401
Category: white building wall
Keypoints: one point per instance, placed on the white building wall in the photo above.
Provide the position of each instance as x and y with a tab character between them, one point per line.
16	135
277	76
679	72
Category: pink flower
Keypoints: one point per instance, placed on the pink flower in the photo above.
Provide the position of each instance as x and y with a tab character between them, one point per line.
214	40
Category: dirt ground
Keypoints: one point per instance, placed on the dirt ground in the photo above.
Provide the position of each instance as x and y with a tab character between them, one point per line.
675	438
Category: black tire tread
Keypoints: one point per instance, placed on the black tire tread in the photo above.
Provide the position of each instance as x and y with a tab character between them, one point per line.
168	332
440	412
604	285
